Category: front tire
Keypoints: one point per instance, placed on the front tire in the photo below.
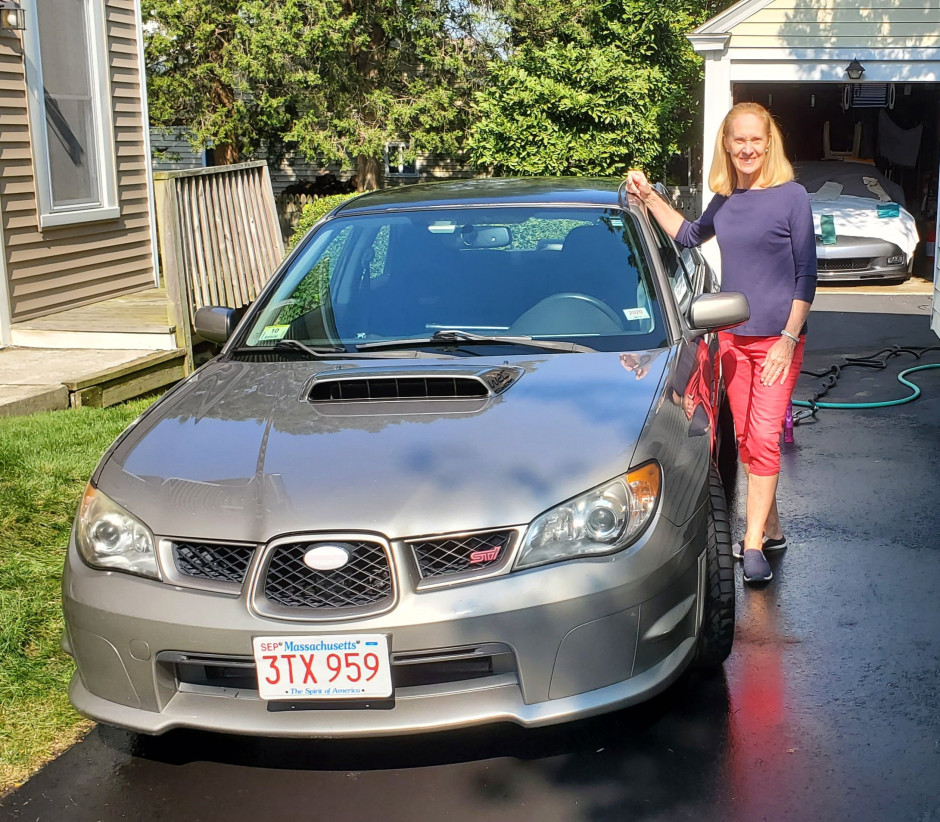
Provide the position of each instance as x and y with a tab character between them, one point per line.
717	632
726	452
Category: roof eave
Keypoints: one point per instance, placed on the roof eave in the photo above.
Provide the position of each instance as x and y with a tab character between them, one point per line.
723	23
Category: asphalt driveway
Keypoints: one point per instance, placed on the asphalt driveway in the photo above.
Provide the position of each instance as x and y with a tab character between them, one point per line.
829	707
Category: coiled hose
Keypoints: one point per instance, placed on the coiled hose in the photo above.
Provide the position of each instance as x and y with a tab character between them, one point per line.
831	377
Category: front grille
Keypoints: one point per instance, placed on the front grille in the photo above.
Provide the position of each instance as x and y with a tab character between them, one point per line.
203	560
365	580
458	554
397	388
847	264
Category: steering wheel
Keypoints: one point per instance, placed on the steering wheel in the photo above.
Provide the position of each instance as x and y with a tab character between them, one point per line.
544	312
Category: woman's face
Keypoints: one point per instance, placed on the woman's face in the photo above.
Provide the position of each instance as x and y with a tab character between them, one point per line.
747	144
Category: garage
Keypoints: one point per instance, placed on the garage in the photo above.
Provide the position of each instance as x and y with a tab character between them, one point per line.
855	82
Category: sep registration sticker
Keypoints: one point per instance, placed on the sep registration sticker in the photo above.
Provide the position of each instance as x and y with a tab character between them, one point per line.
348	666
273	332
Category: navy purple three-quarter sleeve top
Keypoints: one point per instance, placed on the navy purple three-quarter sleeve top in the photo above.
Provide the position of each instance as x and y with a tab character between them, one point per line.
768	251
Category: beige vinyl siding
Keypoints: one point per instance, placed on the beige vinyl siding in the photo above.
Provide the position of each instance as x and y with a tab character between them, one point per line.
172	151
442	166
57	268
865	24
293	168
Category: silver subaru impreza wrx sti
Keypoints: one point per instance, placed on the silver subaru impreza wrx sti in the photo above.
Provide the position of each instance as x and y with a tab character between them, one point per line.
455	465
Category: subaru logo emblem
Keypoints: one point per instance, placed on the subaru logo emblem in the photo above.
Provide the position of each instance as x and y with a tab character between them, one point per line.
326	557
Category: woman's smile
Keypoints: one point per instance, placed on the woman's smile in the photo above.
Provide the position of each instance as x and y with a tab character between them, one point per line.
747	145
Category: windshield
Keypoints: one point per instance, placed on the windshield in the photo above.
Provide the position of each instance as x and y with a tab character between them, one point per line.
578	275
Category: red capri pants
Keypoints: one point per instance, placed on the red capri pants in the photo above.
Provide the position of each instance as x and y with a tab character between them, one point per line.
758	410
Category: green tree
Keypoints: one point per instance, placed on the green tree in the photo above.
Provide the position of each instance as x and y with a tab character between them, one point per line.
334	79
589	87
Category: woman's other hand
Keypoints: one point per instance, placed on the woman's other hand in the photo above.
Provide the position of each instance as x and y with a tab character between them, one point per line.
776	365
638	184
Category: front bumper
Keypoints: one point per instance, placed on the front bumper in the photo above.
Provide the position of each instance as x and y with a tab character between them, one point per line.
565	641
861	259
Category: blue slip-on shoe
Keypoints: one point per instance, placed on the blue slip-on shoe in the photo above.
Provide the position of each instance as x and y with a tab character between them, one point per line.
768	545
756	567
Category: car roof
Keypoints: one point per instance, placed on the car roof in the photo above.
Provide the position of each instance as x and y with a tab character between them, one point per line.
488	191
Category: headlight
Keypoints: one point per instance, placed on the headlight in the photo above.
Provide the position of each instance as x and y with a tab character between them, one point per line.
601	521
107	536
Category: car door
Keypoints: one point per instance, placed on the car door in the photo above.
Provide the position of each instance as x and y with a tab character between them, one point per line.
689	276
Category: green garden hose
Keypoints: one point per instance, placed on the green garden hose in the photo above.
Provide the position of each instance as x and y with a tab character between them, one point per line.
832	375
882	404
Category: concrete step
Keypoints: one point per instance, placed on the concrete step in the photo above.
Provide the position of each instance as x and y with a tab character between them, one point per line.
34	379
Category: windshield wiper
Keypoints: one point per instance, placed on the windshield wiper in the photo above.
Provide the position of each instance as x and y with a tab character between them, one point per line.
453	335
328	352
317	352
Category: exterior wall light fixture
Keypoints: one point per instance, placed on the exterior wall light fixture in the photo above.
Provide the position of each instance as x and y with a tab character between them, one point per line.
855	70
12	17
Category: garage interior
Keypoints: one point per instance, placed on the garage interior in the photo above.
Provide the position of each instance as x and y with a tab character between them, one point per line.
894	126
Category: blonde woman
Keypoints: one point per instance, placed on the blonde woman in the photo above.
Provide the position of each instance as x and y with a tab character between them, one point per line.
763	224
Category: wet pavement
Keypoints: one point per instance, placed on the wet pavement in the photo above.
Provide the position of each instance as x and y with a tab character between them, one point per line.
828	709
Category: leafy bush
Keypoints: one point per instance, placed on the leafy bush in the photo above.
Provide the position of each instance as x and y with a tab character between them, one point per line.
312	212
591	88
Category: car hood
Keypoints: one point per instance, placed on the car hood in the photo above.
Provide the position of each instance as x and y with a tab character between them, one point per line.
240	452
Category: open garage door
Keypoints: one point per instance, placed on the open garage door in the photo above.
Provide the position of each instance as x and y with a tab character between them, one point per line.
935	305
853	133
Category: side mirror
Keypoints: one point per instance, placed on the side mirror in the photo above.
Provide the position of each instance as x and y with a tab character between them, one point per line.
216	323
717	312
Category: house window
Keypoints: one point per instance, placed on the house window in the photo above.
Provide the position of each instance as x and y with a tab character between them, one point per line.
70	112
395	163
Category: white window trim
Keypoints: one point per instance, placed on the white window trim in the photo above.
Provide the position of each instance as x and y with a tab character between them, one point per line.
396	146
107	208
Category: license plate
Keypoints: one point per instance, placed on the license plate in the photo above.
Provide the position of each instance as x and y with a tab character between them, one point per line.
349	666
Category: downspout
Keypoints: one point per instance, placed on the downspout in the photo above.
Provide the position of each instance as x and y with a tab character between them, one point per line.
148	156
5	311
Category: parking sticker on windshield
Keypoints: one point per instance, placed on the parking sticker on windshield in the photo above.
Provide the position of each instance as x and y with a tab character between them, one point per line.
273	332
636	313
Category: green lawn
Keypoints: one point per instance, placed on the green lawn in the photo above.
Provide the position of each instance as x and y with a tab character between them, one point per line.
45	461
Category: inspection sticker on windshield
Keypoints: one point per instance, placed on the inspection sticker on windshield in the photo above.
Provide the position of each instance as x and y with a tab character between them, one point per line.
273	332
348	666
636	313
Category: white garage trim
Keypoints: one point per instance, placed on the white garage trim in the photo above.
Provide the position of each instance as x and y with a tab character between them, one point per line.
831	71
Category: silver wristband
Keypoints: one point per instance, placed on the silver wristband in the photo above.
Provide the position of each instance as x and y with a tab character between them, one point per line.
787	334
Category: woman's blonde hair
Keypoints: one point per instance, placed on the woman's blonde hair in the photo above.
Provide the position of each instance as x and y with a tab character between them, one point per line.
776	169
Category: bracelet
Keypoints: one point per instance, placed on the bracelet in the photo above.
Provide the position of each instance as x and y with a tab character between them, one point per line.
789	336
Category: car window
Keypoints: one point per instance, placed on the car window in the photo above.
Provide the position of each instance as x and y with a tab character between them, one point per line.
308	288
679	267
565	273
695	264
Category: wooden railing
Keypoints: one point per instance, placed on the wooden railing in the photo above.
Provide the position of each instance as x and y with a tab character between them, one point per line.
219	238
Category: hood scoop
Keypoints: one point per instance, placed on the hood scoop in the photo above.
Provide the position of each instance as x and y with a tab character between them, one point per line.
428	383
